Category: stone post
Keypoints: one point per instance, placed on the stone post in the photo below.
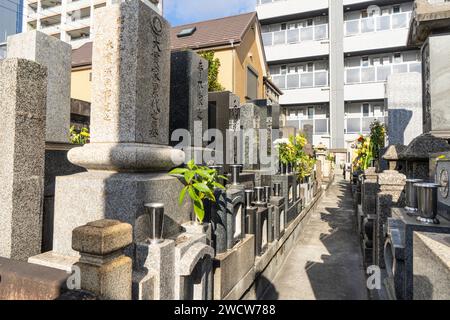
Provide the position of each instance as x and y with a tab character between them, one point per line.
369	191
23	86
391	186
105	270
56	55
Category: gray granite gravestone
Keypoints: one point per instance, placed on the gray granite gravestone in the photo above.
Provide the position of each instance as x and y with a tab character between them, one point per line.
436	85
56	55
128	156
23	87
253	122
404	99
223	110
189	96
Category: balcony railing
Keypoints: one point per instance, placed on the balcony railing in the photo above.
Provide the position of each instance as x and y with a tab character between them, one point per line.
318	126
361	124
302	80
260	2
377	23
313	33
379	73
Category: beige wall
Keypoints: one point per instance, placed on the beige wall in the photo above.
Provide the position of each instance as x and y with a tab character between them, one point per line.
248	54
225	77
81	84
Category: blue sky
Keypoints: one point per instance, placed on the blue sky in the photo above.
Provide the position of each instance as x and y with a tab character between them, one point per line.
180	12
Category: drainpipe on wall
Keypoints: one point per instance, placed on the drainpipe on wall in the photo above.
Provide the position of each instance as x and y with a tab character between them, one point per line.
232	62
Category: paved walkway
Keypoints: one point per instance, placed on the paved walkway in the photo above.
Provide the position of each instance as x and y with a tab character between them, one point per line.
327	262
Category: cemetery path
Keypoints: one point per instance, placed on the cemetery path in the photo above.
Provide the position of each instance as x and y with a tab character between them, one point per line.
326	263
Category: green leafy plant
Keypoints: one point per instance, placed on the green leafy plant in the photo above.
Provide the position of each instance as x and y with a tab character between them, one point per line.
213	71
368	148
200	183
79	136
291	151
331	157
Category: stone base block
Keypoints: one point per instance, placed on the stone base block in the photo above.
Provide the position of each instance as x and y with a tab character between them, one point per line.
111	280
92	196
233	266
53	260
431	266
25	281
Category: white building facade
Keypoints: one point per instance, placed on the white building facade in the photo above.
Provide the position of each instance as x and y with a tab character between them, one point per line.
332	58
68	20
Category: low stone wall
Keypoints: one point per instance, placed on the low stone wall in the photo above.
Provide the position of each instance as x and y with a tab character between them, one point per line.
267	266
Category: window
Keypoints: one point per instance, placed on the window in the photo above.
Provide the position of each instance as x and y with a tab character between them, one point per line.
396	9
365	61
310	112
283	69
283	26
364	14
274	70
252	84
398	57
366	109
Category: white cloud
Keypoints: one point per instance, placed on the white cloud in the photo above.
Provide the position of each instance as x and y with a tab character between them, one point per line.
187	11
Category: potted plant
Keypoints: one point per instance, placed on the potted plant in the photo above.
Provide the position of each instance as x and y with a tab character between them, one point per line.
200	182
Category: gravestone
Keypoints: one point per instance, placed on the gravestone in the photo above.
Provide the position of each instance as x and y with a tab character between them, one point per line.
128	156
404	100
189	98
56	55
436	85
253	123
23	87
223	115
391	186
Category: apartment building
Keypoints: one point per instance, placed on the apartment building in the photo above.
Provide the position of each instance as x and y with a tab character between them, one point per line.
68	20
332	58
10	21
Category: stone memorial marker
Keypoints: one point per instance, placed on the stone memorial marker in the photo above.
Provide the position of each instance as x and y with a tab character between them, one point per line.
129	154
189	96
23	87
223	109
253	122
404	99
56	55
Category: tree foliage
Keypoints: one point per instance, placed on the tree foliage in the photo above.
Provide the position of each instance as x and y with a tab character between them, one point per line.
213	71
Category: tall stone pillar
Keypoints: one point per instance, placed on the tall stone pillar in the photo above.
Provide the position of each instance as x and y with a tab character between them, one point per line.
23	87
56	55
336	26
128	157
391	186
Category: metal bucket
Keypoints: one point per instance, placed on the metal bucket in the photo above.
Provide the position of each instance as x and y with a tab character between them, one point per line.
411	194
259	195
155	213
235	171
277	189
427	201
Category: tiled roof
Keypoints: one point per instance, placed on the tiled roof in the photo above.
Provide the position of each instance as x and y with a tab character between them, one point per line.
213	33
82	56
208	34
